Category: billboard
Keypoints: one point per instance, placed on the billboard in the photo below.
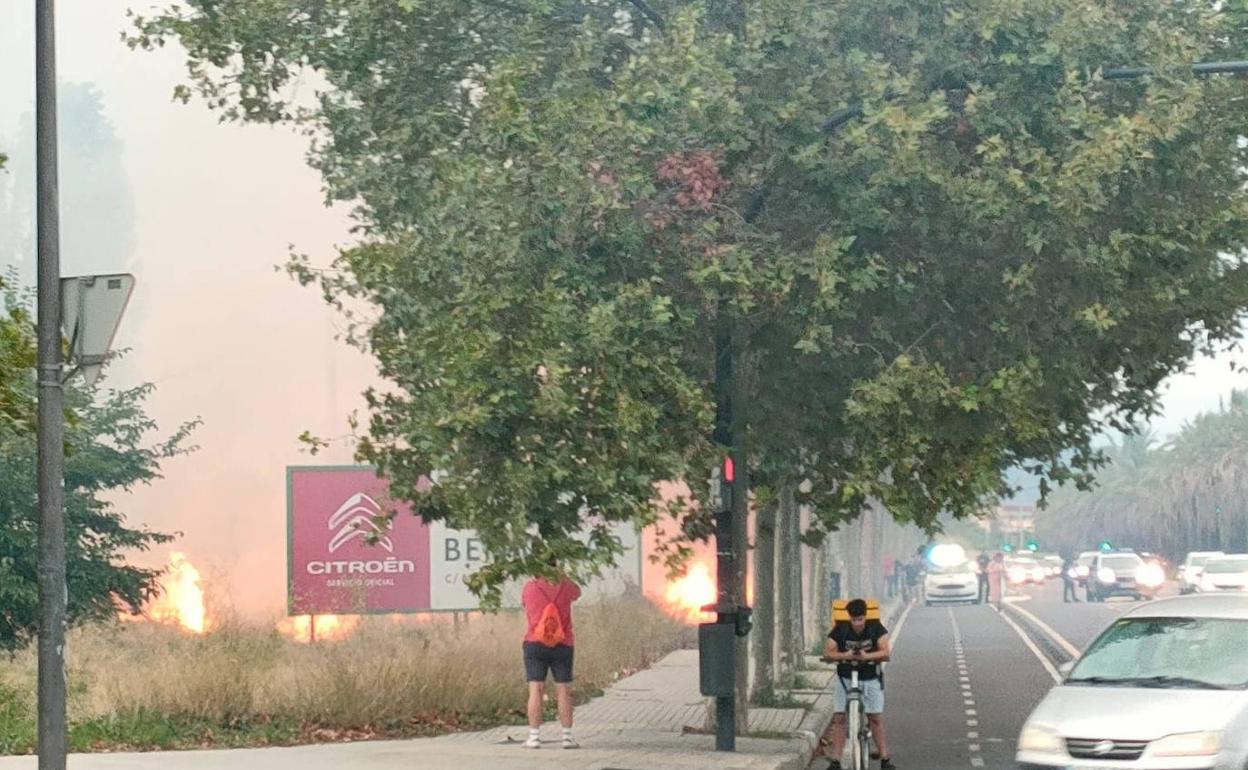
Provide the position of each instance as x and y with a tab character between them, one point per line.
332	565
339	562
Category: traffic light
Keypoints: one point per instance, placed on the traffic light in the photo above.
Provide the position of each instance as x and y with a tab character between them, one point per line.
1007	548
1033	546
1106	545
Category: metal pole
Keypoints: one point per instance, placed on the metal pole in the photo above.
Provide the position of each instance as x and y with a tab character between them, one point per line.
52	728
726	705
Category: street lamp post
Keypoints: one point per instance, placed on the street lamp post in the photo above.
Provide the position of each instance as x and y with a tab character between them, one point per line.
52	723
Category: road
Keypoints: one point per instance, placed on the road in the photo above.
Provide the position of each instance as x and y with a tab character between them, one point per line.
964	679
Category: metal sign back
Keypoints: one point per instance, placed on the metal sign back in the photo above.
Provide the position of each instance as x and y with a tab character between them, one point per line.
91	310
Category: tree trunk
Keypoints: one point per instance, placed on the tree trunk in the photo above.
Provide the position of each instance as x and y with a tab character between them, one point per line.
787	591
764	606
821	589
796	621
877	551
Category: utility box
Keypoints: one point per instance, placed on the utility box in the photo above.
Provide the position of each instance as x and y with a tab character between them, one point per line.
715	659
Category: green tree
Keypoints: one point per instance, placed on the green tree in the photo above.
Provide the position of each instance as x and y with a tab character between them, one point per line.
107	451
1181	495
568	207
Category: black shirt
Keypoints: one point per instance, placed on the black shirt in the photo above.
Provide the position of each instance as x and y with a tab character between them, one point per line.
868	641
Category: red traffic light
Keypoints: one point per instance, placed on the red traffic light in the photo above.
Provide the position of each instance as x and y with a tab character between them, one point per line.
730	473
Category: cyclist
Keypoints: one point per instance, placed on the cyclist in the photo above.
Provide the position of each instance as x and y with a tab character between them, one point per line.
864	643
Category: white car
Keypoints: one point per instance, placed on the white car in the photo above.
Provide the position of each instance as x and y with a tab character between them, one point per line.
1083	566
1193	565
952	583
1024	569
1164	688
1224	573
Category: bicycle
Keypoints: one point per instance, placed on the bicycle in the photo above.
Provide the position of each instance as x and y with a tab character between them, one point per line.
857	728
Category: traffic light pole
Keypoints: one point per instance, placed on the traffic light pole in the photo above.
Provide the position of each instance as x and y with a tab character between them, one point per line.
52	723
725	563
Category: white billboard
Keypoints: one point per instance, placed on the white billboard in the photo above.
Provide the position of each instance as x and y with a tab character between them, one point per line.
454	554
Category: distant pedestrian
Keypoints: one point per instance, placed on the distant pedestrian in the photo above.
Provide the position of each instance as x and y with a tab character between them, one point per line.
890	576
548	646
983	561
996	580
1068	581
982	573
919	573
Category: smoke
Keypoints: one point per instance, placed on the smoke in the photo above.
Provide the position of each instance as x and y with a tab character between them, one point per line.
201	213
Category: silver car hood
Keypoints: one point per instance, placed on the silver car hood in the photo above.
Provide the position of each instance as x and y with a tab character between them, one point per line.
1136	714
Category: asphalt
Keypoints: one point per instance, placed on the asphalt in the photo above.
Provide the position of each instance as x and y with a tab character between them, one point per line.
963	680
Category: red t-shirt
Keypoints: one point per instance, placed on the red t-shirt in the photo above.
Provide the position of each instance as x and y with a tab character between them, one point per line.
538	593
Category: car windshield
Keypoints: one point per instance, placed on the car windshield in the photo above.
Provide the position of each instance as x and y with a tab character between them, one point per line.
1181	653
950	569
1226	566
1200	561
1121	562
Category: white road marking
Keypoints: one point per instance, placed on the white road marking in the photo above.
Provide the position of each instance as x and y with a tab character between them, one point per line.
968	698
1034	649
1070	649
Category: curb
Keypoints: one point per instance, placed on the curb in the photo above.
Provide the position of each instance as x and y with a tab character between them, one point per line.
817	719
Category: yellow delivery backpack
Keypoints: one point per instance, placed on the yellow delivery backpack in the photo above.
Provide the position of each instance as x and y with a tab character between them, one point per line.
840	611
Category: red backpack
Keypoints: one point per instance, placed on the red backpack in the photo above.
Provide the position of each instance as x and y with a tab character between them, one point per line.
549	630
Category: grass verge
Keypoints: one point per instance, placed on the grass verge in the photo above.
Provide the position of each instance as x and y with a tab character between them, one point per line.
144	686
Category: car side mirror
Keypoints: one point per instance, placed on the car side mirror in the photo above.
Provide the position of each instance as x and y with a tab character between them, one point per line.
1066	668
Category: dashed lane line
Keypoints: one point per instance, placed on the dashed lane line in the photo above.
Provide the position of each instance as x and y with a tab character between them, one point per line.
968	698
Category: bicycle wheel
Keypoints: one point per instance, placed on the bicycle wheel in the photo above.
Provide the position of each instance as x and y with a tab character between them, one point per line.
855	730
864	742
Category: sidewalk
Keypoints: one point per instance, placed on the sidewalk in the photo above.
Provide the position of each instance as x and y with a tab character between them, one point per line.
642	722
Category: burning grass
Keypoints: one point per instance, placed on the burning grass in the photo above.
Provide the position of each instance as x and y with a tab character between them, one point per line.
149	686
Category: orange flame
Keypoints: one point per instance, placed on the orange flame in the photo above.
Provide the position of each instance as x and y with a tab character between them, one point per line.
686	596
181	601
321	628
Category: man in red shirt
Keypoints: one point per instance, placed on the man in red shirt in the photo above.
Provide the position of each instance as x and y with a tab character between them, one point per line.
539	658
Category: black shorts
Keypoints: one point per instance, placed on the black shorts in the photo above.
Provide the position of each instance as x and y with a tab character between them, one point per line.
539	659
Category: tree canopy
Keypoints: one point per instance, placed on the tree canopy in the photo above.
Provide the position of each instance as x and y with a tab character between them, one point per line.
108	449
563	203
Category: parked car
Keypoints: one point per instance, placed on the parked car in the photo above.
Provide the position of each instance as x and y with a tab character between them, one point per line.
1164	688
1193	565
1123	574
1225	573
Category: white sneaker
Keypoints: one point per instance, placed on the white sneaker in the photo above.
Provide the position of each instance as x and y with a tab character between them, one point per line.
534	742
570	743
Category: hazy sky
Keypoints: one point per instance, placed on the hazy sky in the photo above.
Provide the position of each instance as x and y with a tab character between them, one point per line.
223	335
